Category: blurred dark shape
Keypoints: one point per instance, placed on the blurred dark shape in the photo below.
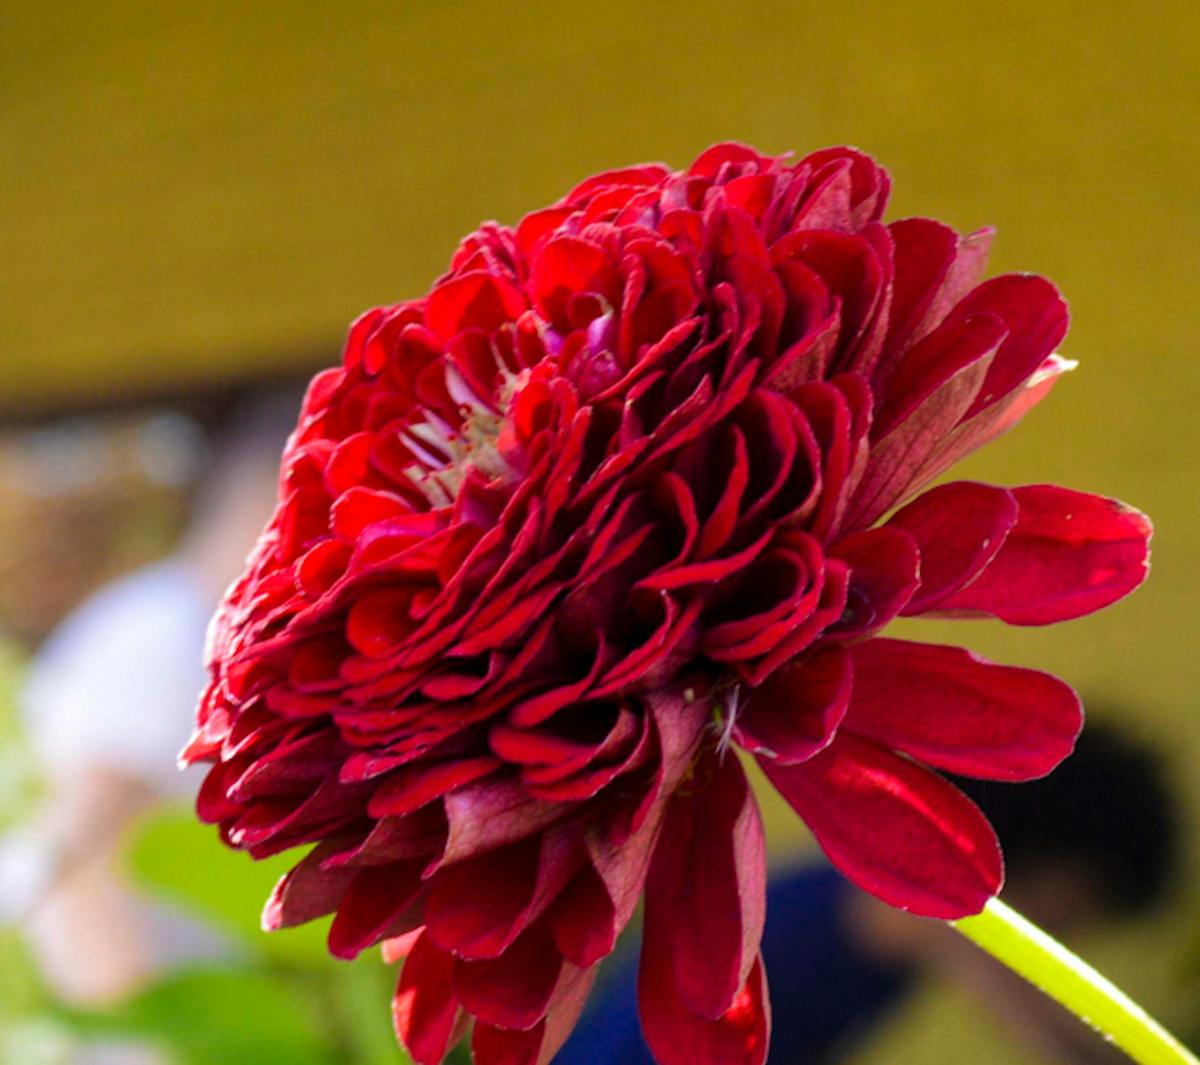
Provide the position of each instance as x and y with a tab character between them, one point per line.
1097	841
1108	810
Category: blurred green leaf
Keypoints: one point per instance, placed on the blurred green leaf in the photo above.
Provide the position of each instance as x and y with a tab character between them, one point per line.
223	1016
184	862
21	992
179	859
19	783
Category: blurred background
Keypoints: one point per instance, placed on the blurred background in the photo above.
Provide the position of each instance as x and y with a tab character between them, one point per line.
199	197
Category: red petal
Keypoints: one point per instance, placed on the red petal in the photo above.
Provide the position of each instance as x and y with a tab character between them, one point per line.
412	787
566	266
710	863
379	903
931	390
1036	317
884	565
425	1007
475	300
949	708
514	989
678	1037
959	528
306	892
795	711
538	1045
522	881
1069	554
896	829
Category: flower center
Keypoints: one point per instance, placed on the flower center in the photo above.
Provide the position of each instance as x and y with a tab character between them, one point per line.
444	452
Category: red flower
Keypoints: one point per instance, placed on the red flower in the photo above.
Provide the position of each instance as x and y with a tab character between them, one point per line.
604	503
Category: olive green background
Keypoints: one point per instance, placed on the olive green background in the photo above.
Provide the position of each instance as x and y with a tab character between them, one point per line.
193	191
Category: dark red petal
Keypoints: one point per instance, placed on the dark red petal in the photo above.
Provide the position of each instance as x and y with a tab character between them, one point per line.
523	880
425	1008
935	268
677	1036
1069	554
795	711
884	565
379	903
514	989
895	828
413	786
538	1045
306	892
950	708
710	867
959	528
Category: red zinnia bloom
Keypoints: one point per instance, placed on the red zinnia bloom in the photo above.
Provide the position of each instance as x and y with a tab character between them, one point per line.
602	505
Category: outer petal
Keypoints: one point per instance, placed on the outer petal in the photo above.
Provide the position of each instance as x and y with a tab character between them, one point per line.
929	393
1069	554
795	711
1036	317
959	528
956	711
711	859
425	1007
538	1045
677	1037
896	829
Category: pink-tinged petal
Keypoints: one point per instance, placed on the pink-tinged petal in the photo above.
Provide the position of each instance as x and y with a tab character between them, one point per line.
1035	315
425	1008
1069	554
978	429
884	566
954	710
959	528
795	712
711	862
931	390
870	183
924	252
306	892
395	950
895	828
676	1036
492	813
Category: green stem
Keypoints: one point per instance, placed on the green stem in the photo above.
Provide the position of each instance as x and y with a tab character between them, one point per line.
1070	981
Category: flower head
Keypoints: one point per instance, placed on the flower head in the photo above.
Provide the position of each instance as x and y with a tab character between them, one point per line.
605	505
